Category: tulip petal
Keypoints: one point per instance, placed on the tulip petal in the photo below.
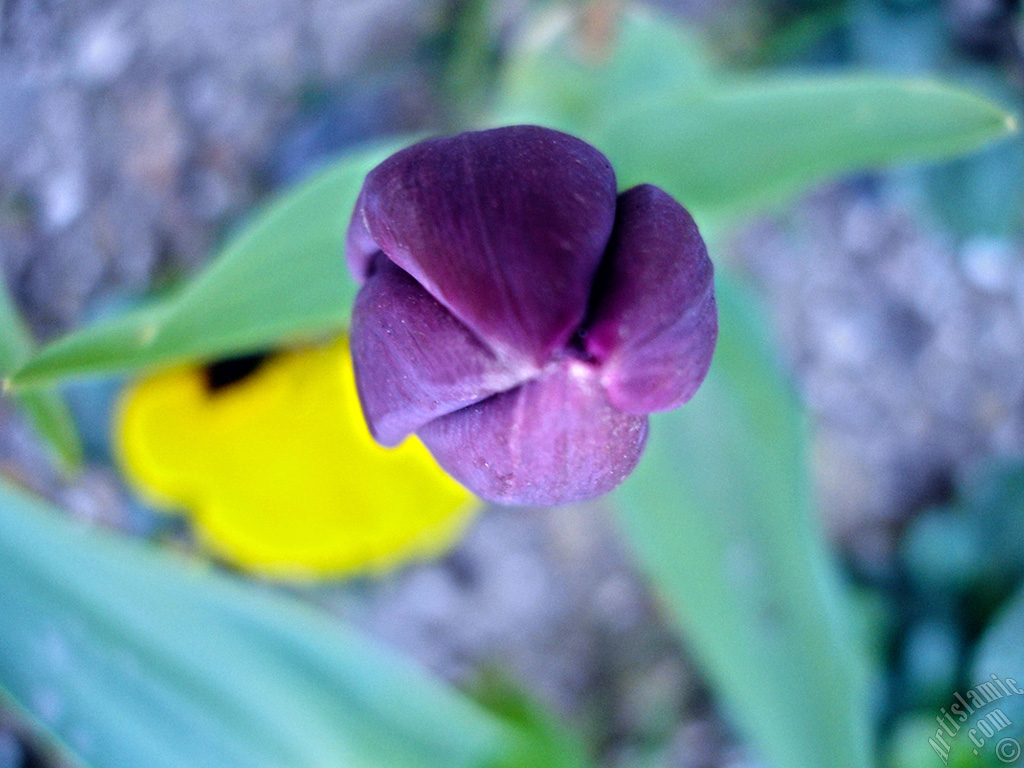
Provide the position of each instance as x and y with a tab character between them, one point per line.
552	440
506	228
414	361
654	322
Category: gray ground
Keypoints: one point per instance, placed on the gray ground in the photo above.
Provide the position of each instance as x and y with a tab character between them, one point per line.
906	348
132	133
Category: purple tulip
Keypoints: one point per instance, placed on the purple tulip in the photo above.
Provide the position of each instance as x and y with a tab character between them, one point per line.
522	317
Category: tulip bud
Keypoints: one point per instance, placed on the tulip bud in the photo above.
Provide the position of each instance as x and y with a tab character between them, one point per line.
520	316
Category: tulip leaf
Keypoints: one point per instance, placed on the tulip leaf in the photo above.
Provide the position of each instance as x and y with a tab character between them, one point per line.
729	149
725	144
44	408
566	76
993	696
280	279
719	516
129	656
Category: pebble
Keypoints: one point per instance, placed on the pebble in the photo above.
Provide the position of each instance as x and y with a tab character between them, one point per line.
990	264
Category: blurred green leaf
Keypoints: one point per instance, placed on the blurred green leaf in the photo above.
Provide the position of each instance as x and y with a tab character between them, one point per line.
718	512
800	35
136	658
908	745
469	56
751	143
44	408
1000	653
724	145
551	743
982	194
282	278
559	79
975	545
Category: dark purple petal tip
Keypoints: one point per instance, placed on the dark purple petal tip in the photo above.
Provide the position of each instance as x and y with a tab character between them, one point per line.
519	316
655	322
505	228
414	360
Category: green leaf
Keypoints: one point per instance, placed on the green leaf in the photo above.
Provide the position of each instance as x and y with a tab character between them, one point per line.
44	408
994	699
552	744
468	56
751	143
718	513
556	79
974	544
724	145
136	658
281	279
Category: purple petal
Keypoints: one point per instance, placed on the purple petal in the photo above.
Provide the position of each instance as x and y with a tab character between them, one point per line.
655	322
552	440
413	360
506	228
360	249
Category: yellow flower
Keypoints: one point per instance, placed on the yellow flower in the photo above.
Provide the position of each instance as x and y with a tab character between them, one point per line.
278	470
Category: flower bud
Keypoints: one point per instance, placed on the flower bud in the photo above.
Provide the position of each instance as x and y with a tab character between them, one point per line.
520	316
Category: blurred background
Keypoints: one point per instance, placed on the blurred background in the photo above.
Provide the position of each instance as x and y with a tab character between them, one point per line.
134	135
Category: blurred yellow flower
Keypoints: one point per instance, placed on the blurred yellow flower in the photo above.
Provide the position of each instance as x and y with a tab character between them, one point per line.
279	472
